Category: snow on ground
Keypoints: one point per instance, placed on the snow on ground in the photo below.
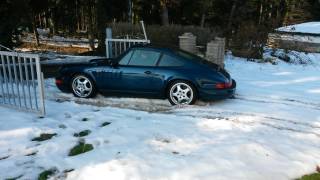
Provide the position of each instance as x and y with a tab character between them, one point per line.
271	130
309	27
59	41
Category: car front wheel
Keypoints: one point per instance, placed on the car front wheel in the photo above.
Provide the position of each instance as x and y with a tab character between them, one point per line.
83	87
182	93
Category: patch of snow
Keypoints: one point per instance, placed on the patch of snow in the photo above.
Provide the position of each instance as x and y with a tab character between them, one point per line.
309	27
270	130
292	57
43	32
60	41
300	38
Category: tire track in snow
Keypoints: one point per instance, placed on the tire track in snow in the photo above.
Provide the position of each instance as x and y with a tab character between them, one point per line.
284	101
161	107
272	122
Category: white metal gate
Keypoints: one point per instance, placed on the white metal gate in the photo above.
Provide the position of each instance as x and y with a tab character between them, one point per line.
21	82
115	47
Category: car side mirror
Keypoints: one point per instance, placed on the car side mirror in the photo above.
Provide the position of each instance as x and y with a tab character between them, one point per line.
114	63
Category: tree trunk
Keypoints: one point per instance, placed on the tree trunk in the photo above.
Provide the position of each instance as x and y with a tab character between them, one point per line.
260	13
203	19
35	31
229	27
91	26
233	9
130	11
101	25
165	15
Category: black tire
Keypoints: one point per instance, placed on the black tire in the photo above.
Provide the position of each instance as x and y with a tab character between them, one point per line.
192	95
88	84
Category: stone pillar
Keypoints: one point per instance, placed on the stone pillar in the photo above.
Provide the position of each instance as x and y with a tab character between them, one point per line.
187	42
216	51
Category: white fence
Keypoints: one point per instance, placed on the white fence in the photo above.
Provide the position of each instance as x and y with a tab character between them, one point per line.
21	82
115	47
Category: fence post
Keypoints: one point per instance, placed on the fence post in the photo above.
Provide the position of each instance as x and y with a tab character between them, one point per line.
108	46
40	86
144	30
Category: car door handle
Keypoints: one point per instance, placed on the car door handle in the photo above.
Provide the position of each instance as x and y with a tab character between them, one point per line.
147	72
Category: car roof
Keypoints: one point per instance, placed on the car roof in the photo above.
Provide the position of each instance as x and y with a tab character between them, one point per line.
154	47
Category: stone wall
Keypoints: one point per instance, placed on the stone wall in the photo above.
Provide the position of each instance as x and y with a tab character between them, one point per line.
215	48
297	42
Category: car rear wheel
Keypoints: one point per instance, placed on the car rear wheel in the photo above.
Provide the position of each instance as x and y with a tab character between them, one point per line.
182	93
83	87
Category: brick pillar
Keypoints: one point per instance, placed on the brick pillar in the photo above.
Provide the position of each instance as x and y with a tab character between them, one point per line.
187	42
216	51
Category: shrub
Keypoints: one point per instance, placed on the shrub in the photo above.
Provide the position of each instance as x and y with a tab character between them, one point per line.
105	124
82	133
80	148
163	35
44	137
46	174
315	176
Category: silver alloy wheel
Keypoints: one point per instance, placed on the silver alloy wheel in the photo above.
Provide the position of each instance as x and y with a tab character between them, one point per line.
181	94
82	86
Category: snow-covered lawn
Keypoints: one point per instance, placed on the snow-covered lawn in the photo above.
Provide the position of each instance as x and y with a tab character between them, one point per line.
271	130
309	27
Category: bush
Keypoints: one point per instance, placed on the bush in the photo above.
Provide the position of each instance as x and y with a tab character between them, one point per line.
105	124
80	148
46	174
249	39
44	137
82	133
315	176
163	35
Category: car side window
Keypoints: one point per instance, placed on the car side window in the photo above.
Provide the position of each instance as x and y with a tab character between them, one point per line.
169	61
144	58
125	60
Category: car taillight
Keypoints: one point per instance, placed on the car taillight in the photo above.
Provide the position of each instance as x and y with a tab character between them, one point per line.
223	85
59	82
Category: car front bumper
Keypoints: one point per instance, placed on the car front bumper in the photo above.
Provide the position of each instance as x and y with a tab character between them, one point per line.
217	94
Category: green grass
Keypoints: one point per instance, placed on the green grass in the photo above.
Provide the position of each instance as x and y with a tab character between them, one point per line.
44	137
105	124
62	126
46	174
82	133
3	158
32	154
68	170
85	119
15	178
315	176
80	148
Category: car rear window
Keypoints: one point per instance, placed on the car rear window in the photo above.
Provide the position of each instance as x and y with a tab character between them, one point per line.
169	61
196	58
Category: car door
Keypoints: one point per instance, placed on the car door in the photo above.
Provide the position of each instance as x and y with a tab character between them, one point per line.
134	73
168	66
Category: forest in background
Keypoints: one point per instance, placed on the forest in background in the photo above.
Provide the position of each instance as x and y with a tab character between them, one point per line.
245	23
